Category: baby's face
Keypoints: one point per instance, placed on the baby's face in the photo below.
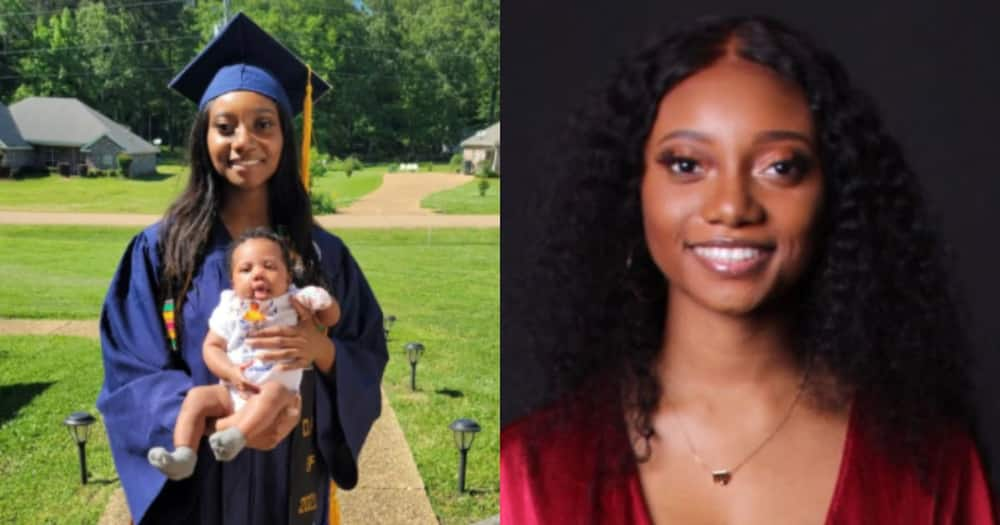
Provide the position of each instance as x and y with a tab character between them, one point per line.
259	270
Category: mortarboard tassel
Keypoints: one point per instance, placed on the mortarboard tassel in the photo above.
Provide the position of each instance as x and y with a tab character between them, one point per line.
307	126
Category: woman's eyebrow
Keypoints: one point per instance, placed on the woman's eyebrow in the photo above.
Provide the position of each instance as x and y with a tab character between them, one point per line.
781	134
230	114
686	134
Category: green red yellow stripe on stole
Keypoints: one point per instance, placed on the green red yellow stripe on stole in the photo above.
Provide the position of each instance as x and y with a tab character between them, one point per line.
168	322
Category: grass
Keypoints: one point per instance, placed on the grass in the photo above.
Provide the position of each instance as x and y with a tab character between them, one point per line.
42	380
69	267
465	199
451	305
94	195
442	285
153	194
345	190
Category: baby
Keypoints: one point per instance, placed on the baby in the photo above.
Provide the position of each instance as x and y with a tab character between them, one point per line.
259	263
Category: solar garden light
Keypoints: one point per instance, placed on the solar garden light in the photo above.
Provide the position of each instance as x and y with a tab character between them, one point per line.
78	424
465	431
387	324
413	353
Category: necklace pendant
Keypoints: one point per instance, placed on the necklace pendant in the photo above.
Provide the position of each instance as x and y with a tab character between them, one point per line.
722	477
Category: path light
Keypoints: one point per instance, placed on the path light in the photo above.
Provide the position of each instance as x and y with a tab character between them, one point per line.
387	324
465	431
78	424
413	353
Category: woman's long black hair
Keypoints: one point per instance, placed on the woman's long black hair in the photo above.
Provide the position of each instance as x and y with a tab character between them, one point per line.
877	311
187	226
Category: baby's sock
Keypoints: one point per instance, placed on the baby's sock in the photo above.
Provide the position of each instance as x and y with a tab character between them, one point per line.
227	443
178	464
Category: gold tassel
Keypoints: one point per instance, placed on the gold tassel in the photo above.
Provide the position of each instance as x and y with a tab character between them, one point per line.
307	126
333	517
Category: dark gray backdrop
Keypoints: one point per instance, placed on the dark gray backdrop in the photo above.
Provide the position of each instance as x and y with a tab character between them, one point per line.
932	69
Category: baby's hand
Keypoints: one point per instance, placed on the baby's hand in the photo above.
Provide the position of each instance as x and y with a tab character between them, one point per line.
314	298
238	381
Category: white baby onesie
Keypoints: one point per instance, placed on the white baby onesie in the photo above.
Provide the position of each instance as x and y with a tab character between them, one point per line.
235	317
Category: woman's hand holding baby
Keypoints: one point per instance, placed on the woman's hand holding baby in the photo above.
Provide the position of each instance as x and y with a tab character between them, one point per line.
287	404
296	346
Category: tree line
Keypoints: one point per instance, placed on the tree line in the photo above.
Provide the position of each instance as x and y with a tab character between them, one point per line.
411	78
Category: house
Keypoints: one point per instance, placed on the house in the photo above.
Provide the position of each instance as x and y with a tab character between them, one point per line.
482	149
15	153
67	130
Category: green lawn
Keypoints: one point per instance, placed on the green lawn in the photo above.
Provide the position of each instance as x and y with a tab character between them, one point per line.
42	380
104	194
465	199
152	194
442	285
344	190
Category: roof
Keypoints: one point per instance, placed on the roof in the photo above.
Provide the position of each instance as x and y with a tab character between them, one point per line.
55	121
485	137
10	136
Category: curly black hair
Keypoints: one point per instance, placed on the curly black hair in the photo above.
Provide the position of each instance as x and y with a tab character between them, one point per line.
877	311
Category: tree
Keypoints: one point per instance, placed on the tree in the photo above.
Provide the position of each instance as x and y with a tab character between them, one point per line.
407	76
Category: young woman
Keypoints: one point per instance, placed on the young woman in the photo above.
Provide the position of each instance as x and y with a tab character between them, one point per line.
753	323
244	174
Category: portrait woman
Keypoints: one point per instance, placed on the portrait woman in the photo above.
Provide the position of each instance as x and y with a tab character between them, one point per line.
244	174
746	309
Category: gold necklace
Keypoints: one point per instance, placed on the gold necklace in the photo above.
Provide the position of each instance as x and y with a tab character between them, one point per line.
724	476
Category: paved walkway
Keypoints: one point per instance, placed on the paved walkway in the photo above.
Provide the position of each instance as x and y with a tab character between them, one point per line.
400	193
395	204
389	491
333	222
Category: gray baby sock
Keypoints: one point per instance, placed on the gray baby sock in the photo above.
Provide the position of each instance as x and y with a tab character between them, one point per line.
178	464
227	443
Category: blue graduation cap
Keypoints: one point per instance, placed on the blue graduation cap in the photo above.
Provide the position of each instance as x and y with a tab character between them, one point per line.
243	57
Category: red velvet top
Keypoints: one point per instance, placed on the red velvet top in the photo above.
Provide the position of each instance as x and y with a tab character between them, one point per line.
566	477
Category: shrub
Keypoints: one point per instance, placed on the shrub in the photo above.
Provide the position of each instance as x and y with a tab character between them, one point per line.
455	162
486	172
124	163
352	163
63	168
322	204
27	172
318	163
83	170
5	172
483	186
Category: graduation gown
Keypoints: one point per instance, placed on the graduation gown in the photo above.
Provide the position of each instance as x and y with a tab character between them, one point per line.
145	383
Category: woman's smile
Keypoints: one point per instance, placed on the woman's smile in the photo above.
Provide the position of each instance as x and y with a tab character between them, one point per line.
732	259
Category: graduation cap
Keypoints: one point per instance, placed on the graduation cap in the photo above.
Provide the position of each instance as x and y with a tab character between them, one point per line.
243	57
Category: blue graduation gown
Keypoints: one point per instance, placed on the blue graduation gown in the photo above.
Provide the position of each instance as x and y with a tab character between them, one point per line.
144	385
